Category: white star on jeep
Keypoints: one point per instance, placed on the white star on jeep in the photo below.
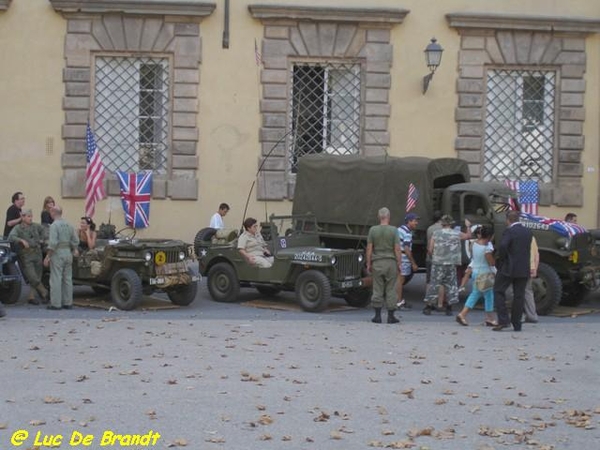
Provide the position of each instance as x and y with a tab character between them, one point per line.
203	252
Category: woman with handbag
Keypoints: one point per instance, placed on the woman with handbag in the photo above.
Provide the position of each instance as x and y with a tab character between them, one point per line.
483	267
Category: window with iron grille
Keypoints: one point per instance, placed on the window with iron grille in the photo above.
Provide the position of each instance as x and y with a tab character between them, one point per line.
325	109
519	125
131	112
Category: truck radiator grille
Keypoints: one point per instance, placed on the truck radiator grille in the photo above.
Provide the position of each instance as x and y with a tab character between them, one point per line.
348	267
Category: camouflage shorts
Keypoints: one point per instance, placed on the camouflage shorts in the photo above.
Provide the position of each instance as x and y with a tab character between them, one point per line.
442	275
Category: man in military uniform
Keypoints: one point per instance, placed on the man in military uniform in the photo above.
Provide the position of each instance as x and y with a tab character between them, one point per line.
444	248
28	237
62	246
383	256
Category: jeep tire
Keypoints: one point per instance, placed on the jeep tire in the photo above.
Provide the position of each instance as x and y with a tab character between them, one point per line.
10	294
313	290
223	283
547	289
184	294
126	289
205	234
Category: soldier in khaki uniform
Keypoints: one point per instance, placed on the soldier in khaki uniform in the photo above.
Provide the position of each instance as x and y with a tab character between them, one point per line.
383	256
29	236
62	246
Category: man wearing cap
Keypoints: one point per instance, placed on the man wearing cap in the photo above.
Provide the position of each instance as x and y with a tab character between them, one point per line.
383	254
444	248
28	237
62	246
407	264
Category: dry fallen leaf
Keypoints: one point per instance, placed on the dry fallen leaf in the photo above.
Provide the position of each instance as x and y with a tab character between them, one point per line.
265	419
37	423
265	437
335	435
323	417
51	400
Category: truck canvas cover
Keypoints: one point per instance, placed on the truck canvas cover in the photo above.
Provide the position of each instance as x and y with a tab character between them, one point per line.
351	189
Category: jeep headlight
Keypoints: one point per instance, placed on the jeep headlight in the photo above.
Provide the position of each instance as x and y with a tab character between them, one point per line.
563	243
360	258
148	256
2	251
181	256
333	260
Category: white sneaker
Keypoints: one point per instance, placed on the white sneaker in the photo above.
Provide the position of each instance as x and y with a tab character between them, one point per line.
401	303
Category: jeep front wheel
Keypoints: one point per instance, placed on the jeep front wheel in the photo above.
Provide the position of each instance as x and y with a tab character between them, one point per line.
185	294
313	290
547	289
126	289
10	294
223	283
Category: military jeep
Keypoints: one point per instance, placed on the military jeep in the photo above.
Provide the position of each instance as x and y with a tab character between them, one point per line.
301	264
10	278
128	268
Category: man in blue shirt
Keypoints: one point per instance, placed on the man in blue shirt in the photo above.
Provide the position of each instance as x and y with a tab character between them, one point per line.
408	264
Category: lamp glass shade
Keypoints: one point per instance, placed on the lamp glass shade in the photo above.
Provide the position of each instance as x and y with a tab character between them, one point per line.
433	54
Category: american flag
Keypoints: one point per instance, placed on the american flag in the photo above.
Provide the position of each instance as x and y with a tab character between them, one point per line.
136	190
412	197
94	174
529	194
560	226
257	55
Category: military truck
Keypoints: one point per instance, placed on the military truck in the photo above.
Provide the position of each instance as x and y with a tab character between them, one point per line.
345	192
301	264
10	277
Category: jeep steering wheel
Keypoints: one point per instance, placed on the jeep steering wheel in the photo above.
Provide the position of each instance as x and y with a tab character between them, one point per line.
126	233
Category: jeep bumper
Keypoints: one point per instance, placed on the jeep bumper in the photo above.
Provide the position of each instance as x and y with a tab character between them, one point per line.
165	281
346	284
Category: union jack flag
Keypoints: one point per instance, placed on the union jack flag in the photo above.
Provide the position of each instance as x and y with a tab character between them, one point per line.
136	190
412	197
529	194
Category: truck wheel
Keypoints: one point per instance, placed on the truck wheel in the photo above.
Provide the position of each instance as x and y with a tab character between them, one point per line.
205	234
126	289
268	291
547	289
573	295
11	294
185	294
313	290
223	283
359	298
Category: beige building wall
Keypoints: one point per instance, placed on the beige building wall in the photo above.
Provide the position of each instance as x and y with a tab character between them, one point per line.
32	60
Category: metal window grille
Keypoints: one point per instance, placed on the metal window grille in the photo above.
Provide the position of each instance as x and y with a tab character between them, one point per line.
131	113
325	109
519	125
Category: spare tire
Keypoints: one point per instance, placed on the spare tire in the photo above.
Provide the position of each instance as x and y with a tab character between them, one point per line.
204	235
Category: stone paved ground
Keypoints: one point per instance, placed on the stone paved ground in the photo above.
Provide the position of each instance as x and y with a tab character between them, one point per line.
218	376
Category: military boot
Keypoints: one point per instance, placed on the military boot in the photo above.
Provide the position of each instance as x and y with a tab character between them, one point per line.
32	300
391	317
377	318
41	289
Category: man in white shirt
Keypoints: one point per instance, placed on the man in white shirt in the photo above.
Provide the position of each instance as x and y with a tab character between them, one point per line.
216	221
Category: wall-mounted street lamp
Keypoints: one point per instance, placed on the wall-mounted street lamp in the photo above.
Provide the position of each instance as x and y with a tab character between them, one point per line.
433	57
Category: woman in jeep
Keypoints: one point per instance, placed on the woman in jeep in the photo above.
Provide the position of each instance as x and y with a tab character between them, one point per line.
252	246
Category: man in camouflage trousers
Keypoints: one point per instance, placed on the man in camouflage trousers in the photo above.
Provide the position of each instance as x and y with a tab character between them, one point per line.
29	237
444	248
62	246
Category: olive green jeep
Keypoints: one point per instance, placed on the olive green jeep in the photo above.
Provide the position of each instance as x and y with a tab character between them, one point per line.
10	278
301	264
128	268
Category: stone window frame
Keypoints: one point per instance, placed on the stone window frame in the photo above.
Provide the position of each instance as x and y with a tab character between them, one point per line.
508	41
292	33
133	27
4	4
